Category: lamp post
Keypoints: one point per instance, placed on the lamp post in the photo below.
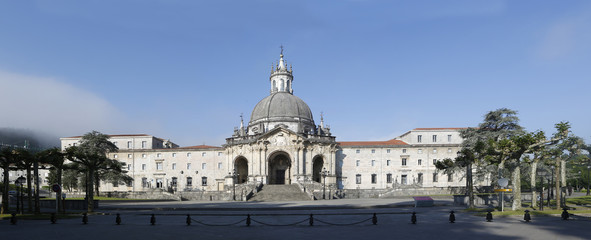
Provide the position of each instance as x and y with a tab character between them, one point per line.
234	176
324	173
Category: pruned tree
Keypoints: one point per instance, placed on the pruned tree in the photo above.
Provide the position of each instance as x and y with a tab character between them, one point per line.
56	159
91	154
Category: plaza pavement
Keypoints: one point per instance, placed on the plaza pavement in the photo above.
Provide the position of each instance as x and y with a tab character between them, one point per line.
393	222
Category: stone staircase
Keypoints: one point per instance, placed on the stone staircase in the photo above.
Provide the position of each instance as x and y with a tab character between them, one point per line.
272	193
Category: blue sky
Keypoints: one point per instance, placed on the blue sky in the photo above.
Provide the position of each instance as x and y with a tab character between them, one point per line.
186	70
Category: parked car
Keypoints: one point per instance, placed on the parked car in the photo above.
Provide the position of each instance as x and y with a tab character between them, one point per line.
12	193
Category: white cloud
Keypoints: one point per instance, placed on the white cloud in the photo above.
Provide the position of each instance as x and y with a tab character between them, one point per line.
48	105
565	36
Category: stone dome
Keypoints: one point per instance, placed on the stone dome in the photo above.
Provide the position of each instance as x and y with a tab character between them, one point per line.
282	108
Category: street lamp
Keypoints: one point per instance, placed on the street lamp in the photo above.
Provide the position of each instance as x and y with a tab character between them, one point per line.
324	173
234	175
19	201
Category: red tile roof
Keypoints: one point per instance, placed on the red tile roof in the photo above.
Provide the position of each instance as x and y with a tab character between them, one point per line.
373	143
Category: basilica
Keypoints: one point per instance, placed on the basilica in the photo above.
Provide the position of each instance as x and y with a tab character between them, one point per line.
282	145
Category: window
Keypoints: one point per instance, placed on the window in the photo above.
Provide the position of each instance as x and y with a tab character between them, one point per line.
404	150
357	151
159	165
158	155
434	150
204	181
420	178
144	155
219	153
219	165
115	183
203	154
419	138
129	155
203	165
144	182
449	150
189	181
448	138
188	155
387	150
357	162
74	144
173	154
404	179
420	151
420	162
358	178
115	156
143	167
374	178
389	178
173	166
434	138
373	151
434	177
173	182
450	177
129	144
128	167
404	162
115	143
373	163
387	162
144	144
434	161
188	166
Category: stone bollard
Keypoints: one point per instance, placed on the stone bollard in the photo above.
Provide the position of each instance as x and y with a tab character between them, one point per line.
413	218
564	214
118	219
85	218
153	219
311	220
374	219
452	217
489	216
53	218
13	218
248	220
188	220
526	216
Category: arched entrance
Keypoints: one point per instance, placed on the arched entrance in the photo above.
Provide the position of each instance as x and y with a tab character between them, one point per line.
317	164
241	166
279	168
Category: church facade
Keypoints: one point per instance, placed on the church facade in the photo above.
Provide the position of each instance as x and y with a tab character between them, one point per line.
281	144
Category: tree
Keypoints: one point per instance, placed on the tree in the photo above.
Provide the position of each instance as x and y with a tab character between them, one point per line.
8	159
26	161
91	154
55	158
566	147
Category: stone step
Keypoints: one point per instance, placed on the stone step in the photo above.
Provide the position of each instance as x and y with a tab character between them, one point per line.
271	193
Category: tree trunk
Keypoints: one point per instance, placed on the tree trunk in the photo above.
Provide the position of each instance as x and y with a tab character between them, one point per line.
60	204
5	192
90	188
36	177
557	183
516	188
534	193
29	190
97	182
470	185
563	172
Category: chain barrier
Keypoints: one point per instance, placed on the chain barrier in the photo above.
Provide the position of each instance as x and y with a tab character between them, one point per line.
343	224
217	225
280	225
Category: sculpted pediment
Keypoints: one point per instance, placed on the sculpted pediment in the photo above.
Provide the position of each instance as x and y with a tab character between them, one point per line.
280	137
